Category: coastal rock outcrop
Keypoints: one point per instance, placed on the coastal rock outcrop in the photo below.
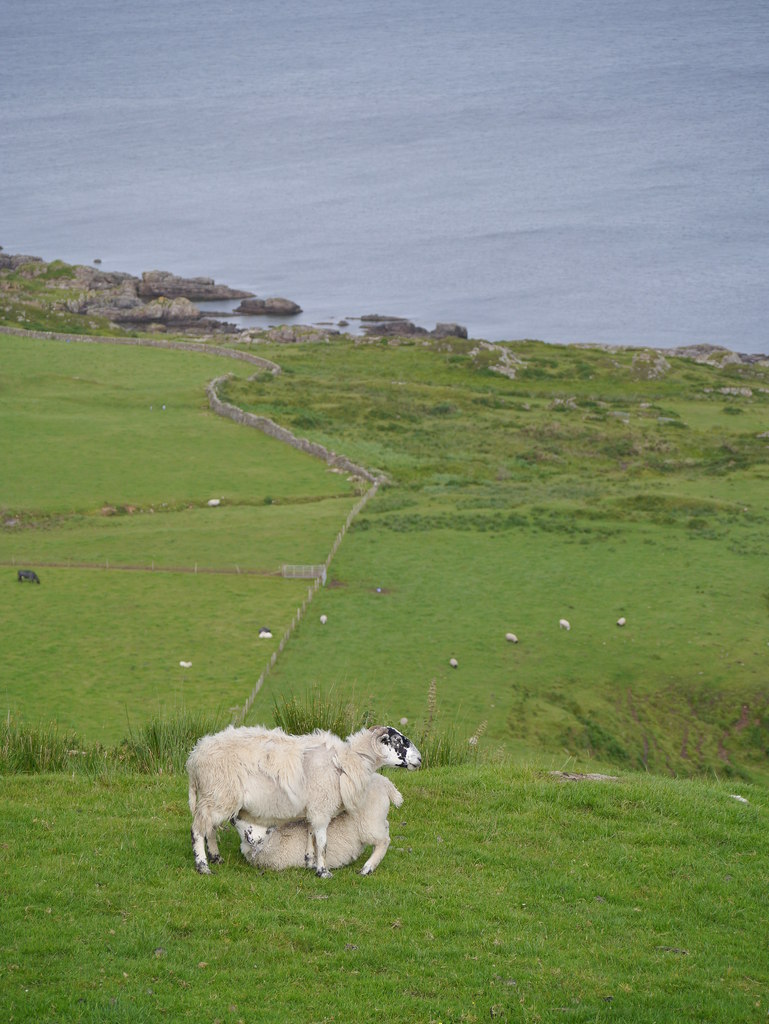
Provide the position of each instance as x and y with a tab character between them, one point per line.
156	284
275	306
449	331
400	327
12	261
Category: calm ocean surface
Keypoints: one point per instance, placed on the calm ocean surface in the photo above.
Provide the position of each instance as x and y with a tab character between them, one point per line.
571	170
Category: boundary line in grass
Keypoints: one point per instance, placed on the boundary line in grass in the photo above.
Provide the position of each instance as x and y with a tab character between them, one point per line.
185	346
197	570
266	426
240	716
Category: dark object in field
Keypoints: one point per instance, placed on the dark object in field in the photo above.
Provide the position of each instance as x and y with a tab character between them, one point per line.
28	575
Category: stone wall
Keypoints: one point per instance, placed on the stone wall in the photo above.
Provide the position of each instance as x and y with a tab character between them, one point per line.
185	346
268	426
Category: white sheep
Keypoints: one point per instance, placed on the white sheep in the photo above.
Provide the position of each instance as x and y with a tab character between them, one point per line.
621	621
564	624
453	662
275	778
511	638
290	846
323	620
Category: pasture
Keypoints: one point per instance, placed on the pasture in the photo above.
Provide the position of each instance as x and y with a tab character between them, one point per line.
105	492
505	895
591	486
586	488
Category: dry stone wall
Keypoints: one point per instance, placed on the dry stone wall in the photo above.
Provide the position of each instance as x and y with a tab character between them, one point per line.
184	346
269	426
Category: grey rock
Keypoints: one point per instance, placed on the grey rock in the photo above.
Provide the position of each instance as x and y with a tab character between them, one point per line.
449	331
9	261
393	328
157	284
275	306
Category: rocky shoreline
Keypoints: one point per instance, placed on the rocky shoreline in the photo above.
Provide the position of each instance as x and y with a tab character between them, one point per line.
161	301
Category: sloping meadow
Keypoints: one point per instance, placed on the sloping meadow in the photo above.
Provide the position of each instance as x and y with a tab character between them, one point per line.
592	486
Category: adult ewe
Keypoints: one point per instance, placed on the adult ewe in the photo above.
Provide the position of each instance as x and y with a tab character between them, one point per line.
276	778
291	846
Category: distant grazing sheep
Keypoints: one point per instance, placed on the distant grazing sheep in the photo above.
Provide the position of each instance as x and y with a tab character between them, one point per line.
453	662
275	778
511	638
323	620
290	846
564	624
622	621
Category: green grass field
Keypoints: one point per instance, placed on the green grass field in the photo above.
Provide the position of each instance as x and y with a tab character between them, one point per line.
505	895
587	487
96	473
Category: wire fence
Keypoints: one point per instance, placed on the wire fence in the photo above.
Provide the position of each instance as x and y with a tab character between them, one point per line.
319	579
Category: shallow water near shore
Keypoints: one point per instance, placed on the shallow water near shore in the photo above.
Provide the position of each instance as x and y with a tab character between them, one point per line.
571	171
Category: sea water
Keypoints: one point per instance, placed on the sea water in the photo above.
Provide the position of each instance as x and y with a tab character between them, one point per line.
571	170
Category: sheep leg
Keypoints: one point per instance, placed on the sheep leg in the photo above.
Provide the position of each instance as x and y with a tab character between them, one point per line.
309	853
320	852
199	851
213	847
252	838
380	849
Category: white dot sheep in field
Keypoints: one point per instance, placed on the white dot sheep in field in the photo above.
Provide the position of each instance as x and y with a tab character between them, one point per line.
212	502
290	846
453	662
511	638
565	624
186	664
275	778
621	621
323	620
265	633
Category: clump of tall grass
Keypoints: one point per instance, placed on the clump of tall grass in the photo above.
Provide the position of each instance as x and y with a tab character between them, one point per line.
314	710
444	747
28	749
161	746
439	746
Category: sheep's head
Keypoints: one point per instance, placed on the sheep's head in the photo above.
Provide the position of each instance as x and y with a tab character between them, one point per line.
396	749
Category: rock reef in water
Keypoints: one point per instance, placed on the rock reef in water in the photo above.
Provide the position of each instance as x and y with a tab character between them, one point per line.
156	284
275	306
401	327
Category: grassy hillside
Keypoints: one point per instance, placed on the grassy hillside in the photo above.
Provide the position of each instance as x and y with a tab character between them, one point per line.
594	485
506	894
590	485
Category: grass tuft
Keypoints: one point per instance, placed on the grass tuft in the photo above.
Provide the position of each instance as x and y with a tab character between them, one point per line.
29	749
161	746
314	710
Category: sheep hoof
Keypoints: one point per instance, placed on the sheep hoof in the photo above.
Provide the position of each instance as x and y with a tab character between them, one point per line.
366	871
323	873
217	859
202	868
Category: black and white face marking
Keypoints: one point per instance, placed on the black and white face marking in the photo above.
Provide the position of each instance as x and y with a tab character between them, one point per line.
404	749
